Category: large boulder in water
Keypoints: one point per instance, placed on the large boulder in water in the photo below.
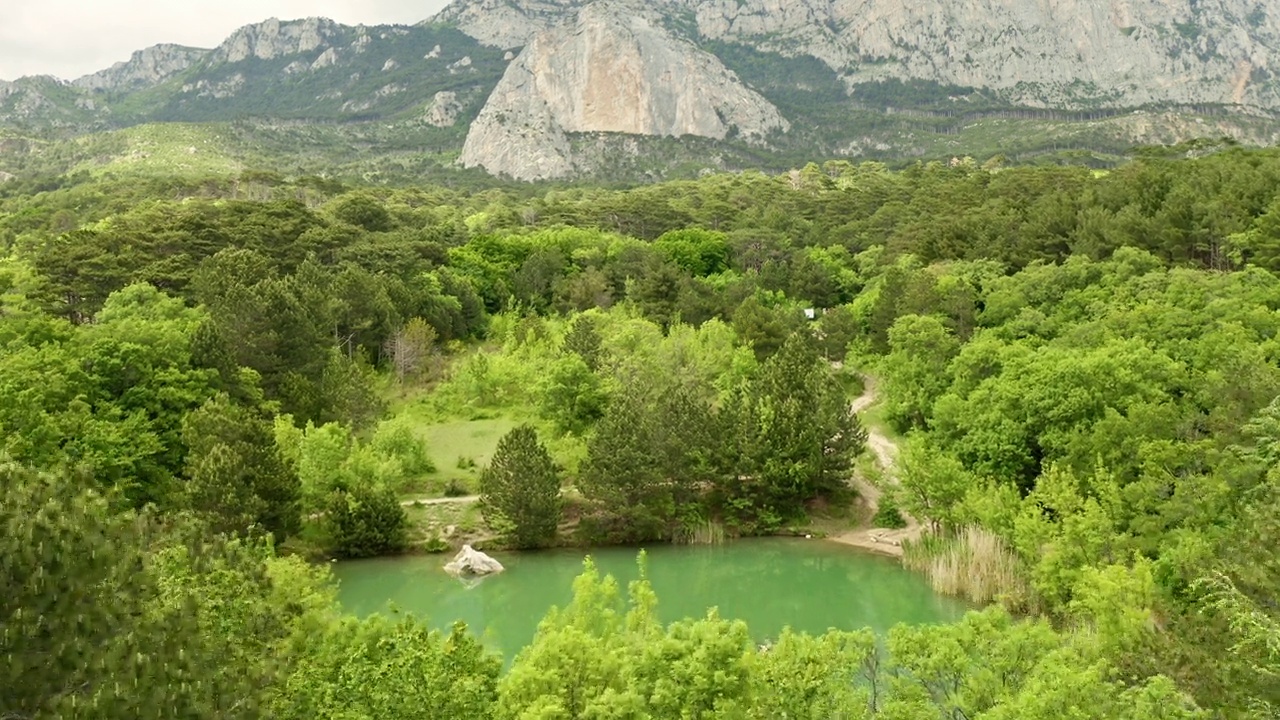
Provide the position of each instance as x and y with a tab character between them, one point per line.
470	561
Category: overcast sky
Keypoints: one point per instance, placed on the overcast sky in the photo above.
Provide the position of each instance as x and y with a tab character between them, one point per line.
70	38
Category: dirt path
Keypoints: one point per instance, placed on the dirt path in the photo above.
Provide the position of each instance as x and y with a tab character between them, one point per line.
443	501
880	540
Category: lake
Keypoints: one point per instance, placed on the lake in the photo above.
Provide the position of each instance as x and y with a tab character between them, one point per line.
772	583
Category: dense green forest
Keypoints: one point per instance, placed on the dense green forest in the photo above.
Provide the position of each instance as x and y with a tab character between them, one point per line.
205	384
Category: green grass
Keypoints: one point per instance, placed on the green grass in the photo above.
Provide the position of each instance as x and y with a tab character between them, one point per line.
473	440
874	417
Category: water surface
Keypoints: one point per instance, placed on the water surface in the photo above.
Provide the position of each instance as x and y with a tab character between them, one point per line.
808	585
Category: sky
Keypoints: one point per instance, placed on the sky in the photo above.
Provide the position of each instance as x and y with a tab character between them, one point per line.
70	38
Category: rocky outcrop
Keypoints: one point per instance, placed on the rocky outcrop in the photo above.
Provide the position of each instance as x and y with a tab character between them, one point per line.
444	109
470	561
1061	53
44	100
507	24
611	70
273	39
146	68
1057	53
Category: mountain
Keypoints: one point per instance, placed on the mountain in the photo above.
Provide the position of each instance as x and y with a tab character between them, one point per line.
610	70
1060	53
146	68
537	89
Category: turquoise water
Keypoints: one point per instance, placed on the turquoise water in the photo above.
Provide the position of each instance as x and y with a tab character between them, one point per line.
808	585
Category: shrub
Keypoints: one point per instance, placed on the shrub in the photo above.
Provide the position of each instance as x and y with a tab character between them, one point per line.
365	521
888	515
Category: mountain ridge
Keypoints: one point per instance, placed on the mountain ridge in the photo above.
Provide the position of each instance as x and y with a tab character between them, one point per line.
521	87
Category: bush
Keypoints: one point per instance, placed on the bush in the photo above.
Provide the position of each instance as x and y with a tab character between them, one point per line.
396	439
365	521
436	545
888	516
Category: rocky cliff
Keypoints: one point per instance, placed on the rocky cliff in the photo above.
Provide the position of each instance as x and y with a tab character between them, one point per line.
1042	53
146	68
507	24
610	70
1063	53
273	39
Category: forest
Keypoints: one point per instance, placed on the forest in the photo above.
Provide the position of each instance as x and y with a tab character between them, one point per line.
207	385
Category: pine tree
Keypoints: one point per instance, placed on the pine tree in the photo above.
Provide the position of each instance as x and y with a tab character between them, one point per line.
236	477
805	434
520	490
584	340
623	475
366	520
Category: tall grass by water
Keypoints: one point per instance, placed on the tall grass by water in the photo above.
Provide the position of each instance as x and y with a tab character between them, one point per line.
974	564
703	532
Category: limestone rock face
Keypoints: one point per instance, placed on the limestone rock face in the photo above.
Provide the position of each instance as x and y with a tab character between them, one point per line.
146	68
1056	52
1050	53
444	109
611	70
470	561
273	39
507	24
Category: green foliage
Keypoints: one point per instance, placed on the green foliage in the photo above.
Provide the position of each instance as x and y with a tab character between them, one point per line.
112	614
381	668
365	520
572	395
888	516
699	252
1086	364
520	490
583	340
914	371
932	484
803	435
599	658
236	476
622	479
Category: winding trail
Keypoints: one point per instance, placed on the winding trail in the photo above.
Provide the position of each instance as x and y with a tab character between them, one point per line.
885	541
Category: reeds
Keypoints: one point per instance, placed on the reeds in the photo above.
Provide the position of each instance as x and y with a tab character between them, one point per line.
975	564
702	532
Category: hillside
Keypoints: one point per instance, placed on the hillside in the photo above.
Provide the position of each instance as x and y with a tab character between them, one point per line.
621	90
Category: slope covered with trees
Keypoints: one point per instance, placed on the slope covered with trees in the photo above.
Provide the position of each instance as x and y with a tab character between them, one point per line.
1084	367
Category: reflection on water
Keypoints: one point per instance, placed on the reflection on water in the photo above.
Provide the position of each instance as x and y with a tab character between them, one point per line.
805	584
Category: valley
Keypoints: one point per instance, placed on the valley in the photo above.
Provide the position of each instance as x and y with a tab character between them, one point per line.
815	360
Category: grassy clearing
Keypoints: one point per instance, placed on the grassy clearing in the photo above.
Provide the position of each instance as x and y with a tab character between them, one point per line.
459	450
